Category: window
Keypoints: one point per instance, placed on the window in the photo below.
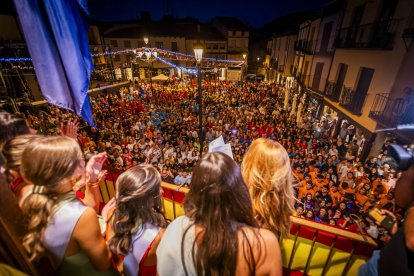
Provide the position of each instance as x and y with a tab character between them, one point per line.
159	45
222	46
208	46
127	43
114	43
215	46
234	33
174	46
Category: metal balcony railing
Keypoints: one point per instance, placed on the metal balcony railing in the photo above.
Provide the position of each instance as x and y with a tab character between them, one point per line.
298	46
378	35
305	46
332	91
351	100
391	112
312	248
346	96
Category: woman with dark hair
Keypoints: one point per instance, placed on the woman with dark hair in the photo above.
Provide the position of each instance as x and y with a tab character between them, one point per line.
138	222
218	234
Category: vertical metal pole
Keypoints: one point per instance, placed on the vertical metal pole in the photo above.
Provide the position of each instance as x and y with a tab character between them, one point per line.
200	109
151	76
112	65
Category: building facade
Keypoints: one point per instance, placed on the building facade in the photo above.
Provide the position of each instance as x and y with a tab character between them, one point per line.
282	57
368	56
236	34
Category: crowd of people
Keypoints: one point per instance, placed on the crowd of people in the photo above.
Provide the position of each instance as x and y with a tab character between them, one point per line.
160	127
286	162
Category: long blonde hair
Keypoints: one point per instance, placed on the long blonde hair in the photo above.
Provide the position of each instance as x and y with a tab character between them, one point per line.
267	172
46	162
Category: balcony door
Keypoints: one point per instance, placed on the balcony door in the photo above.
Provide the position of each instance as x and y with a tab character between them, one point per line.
340	77
326	34
317	76
361	90
356	22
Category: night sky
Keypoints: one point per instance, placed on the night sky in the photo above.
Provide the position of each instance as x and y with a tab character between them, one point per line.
254	13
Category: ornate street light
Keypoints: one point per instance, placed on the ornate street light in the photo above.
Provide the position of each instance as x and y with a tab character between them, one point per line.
198	54
244	69
148	56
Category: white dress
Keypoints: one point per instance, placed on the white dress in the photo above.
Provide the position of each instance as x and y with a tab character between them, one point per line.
169	253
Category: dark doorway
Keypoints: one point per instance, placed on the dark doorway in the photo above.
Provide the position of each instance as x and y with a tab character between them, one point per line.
317	76
327	29
340	78
361	90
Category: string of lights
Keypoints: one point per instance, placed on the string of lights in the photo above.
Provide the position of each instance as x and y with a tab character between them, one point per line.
133	50
184	69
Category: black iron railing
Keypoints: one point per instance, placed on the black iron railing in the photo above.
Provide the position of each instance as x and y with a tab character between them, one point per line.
332	91
390	111
305	46
351	100
378	35
299	45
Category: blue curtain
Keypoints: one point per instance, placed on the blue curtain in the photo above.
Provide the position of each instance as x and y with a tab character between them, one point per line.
56	36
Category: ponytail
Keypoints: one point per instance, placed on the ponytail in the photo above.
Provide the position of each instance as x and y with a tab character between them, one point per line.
37	208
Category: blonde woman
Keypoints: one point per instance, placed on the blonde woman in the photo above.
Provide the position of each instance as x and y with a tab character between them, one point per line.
267	172
58	224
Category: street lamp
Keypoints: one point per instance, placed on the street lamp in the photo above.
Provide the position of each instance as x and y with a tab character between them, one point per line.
150	57
244	71
257	68
198	54
108	49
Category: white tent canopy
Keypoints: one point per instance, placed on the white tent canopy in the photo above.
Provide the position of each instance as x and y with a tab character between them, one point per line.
160	77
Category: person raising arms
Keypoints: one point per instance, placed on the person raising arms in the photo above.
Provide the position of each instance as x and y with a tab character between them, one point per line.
57	223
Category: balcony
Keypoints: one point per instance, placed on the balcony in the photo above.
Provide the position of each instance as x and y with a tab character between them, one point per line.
351	100
332	91
378	35
391	112
311	249
305	46
303	80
